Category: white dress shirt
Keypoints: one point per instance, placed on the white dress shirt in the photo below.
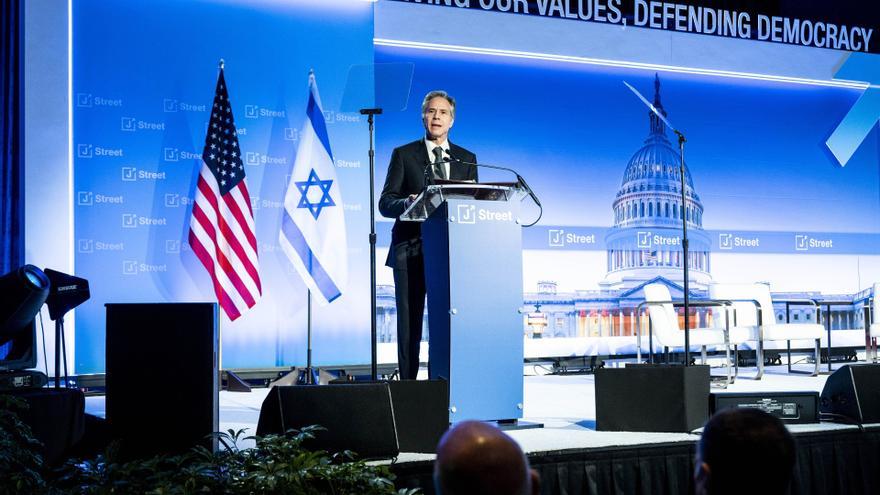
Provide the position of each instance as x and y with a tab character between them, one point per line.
445	147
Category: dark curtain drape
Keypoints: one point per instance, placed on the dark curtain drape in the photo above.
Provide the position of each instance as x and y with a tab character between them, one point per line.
11	165
829	462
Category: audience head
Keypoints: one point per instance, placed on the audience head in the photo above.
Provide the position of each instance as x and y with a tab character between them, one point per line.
744	450
478	458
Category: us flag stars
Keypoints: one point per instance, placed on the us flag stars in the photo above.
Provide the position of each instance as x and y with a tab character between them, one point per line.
221	146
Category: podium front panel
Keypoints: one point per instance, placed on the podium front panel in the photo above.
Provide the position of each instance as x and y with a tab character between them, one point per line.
473	268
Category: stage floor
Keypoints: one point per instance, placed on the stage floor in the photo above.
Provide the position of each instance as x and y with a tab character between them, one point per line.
564	404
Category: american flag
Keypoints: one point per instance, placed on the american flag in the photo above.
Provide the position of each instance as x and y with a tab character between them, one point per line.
221	230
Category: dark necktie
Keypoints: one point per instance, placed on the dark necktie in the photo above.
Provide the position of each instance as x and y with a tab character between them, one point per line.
438	163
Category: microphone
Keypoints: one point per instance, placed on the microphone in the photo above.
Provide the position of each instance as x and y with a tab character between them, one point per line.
428	173
519	178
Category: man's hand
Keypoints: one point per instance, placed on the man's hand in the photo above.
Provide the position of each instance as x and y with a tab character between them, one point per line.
409	201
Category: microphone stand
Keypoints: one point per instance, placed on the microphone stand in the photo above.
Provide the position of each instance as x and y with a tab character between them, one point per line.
684	240
684	248
370	112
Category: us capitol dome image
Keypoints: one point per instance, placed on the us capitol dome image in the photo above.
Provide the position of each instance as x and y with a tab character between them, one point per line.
645	241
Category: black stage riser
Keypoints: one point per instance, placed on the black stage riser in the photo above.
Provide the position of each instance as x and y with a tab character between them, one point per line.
828	462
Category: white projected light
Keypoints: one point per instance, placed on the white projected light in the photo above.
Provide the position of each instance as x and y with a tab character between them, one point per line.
613	63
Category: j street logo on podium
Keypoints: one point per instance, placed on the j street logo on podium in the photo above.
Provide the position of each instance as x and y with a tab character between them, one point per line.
132	124
255	158
131	174
172	105
175	154
134	267
89	198
88	246
470	214
467	214
803	242
174	200
256	112
132	221
87	150
88	100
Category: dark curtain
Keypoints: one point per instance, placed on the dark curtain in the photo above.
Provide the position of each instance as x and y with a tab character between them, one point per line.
11	169
829	462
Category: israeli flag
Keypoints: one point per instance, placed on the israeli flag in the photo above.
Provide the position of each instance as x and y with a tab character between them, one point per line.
313	224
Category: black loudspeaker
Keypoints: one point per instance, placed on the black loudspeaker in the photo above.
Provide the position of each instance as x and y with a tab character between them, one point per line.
421	413
162	377
789	407
647	397
852	394
357	416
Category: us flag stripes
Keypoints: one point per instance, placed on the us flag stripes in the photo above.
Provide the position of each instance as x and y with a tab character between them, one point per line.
221	230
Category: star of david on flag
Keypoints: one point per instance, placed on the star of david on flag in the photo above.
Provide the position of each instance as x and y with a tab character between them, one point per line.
323	185
313	223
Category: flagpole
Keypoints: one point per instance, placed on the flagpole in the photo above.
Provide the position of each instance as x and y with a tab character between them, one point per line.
308	379
220	65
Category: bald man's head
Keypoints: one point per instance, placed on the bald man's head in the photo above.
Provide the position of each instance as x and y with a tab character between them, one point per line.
475	457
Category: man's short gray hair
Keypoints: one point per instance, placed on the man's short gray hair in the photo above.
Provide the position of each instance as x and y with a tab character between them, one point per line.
438	93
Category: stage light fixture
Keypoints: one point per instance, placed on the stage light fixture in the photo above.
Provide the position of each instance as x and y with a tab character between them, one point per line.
22	293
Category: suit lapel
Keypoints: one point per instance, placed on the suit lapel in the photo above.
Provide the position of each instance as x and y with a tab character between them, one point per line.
420	158
457	171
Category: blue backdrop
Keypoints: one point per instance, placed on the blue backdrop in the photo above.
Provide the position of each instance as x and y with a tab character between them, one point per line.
144	76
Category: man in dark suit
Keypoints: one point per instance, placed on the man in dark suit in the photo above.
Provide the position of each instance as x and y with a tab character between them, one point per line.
410	165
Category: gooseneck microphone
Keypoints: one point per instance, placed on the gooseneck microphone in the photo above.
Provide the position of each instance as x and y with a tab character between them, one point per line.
519	178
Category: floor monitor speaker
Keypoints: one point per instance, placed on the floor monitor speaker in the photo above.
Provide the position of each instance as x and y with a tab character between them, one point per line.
647	397
852	394
358	416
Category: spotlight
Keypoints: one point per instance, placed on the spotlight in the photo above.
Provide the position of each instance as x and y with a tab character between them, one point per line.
22	293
